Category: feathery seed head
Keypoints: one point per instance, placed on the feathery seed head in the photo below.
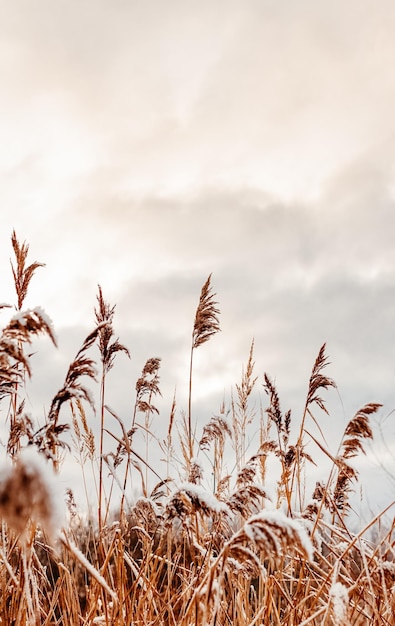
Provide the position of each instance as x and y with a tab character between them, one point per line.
206	318
22	274
104	318
28	495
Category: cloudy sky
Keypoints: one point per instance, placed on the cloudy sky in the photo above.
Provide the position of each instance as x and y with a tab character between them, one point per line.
145	145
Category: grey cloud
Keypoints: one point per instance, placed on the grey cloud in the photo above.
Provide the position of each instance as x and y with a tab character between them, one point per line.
289	276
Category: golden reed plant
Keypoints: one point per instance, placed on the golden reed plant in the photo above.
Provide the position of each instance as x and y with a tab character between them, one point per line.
226	535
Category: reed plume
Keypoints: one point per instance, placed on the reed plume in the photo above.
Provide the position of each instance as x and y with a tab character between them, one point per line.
357	430
280	447
73	390
104	314
27	497
147	387
273	535
242	413
15	363
206	325
22	274
247	498
21	329
318	382
206	318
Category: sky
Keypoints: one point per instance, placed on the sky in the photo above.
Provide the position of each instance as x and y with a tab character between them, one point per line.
145	145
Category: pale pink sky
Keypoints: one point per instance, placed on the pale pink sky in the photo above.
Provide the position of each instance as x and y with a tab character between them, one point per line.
147	144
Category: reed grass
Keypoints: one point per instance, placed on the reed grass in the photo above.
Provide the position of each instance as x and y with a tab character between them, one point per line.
206	543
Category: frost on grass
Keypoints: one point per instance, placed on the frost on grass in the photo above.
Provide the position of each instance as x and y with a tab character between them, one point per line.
40	313
275	534
34	321
339	602
190	498
195	471
29	494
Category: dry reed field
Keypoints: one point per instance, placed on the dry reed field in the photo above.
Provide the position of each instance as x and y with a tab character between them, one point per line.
181	553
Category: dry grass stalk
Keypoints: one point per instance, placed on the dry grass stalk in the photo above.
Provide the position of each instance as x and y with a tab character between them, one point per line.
73	390
214	435
13	362
318	382
104	320
206	325
147	388
242	414
281	447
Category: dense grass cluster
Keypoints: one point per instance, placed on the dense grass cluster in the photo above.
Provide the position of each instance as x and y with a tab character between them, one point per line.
254	549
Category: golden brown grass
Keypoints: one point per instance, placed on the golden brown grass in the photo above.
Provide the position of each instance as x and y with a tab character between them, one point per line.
198	547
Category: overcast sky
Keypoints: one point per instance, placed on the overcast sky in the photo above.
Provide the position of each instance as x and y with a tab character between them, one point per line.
147	144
